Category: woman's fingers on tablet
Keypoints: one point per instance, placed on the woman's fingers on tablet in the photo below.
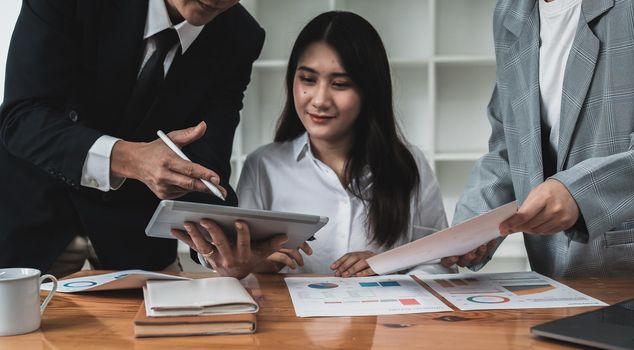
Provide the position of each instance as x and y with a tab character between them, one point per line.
219	241
183	237
283	259
261	250
294	254
201	245
306	248
243	242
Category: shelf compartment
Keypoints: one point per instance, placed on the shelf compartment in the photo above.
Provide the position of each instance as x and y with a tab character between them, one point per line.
464	27
403	25
263	104
452	177
283	20
411	106
463	93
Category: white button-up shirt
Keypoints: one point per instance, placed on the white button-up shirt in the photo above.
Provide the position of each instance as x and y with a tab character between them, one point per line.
287	177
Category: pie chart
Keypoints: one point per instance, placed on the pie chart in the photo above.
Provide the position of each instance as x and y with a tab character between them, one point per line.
488	299
323	285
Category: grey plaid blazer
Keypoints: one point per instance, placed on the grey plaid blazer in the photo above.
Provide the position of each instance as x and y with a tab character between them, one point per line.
595	160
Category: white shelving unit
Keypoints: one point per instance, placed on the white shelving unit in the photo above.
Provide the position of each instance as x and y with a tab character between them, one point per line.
443	68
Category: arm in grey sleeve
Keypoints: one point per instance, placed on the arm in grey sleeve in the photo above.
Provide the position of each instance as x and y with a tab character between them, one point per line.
490	184
604	192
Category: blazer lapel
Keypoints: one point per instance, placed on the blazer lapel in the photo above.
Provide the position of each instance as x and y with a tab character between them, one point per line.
578	74
521	71
186	82
119	53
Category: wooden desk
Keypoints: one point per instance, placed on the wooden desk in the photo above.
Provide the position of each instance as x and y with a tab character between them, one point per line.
103	320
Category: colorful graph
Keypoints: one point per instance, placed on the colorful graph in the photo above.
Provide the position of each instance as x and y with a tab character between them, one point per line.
529	289
488	299
380	284
323	285
403	302
456	282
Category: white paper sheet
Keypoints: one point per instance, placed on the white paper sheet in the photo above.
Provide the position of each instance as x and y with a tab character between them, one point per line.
361	296
127	279
514	290
456	240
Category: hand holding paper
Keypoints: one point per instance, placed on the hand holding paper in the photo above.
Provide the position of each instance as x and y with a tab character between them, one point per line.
454	241
548	209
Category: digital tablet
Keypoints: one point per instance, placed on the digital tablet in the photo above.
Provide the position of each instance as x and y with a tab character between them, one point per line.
263	224
610	327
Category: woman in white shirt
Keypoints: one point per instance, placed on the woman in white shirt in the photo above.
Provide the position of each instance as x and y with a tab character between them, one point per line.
338	153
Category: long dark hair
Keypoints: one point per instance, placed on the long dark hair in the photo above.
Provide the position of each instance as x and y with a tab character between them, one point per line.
377	144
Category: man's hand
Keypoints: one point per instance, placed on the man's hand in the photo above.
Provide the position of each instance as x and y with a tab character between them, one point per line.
228	260
353	264
159	168
548	209
471	258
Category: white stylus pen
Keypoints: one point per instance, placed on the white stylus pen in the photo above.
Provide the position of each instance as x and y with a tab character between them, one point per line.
180	153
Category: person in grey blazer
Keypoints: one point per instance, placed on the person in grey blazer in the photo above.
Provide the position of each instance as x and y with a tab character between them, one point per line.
562	140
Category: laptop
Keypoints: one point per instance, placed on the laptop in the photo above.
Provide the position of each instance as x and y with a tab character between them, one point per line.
611	327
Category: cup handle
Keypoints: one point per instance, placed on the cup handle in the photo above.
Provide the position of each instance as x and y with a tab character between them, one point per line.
50	294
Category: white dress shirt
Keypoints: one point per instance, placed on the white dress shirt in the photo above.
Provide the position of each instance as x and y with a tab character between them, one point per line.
287	177
557	28
96	169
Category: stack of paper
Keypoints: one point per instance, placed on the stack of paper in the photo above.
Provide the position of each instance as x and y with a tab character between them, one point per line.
219	305
127	279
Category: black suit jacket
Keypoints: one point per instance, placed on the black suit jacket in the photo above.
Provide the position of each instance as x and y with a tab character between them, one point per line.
71	68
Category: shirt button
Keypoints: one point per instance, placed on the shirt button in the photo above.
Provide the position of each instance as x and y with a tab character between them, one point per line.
73	116
94	183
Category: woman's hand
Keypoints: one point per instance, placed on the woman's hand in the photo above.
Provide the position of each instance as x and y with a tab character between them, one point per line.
473	257
289	257
353	264
229	260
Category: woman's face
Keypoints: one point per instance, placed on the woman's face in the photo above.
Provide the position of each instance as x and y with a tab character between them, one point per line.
326	99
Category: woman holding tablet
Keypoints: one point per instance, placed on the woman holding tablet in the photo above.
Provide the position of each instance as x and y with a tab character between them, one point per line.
338	153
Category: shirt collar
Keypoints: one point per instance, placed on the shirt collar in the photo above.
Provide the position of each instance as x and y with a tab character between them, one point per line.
301	146
158	19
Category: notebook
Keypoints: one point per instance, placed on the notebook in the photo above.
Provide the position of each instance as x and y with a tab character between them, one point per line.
199	297
145	326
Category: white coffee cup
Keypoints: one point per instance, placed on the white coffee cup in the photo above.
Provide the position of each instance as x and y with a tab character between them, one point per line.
20	309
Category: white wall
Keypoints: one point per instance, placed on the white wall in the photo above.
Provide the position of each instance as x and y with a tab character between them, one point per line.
9	10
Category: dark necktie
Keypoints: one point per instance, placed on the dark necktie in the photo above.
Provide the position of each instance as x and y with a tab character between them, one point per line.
148	83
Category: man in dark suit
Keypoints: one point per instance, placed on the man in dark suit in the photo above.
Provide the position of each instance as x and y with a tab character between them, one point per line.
79	154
